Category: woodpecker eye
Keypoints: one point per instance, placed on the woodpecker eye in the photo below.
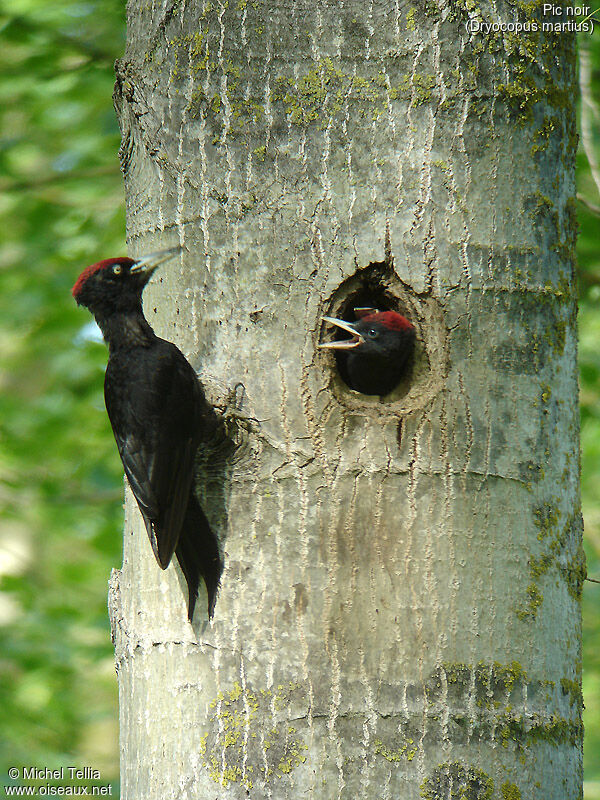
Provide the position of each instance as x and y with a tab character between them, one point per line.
117	269
372	333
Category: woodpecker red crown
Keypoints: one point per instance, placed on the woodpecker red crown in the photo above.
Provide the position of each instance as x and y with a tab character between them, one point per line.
93	268
391	320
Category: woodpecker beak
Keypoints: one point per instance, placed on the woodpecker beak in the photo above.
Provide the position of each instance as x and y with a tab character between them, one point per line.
147	264
344	344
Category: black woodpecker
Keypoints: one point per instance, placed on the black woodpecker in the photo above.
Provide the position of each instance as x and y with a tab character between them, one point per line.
159	416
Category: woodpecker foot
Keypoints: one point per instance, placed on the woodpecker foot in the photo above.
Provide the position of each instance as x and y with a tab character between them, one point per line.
232	415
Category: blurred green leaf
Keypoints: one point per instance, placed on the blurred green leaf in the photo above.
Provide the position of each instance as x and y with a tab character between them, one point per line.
60	476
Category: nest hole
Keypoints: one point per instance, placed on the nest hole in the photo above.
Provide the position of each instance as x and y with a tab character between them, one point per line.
377	286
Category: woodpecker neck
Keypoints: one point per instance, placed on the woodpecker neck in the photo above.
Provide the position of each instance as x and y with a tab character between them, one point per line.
371	372
125	329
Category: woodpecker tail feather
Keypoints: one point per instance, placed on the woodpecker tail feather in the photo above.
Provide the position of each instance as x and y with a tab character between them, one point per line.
198	554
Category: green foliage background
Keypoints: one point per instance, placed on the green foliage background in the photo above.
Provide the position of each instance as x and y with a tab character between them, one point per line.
61	206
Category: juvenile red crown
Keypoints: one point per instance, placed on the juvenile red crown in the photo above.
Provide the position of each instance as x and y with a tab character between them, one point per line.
391	320
94	268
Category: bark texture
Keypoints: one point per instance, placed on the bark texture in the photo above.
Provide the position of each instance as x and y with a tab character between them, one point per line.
399	613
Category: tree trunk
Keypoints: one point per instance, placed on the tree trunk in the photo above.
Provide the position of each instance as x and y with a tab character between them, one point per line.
399	613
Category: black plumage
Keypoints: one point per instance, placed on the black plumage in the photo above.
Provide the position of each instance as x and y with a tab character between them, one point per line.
159	416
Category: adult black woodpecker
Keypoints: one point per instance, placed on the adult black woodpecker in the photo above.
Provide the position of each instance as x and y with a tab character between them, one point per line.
159	416
377	354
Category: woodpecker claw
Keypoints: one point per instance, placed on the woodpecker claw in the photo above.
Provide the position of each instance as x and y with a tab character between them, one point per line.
235	420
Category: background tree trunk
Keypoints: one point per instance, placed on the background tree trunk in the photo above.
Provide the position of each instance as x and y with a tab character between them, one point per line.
399	613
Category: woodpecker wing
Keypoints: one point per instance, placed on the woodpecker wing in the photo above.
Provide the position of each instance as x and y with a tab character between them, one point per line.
154	402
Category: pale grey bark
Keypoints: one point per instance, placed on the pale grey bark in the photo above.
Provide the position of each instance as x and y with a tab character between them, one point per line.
399	612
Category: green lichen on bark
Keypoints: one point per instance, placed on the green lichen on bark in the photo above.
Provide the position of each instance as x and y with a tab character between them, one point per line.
563	552
568	233
489	683
533	600
496	693
320	94
405	752
456	781
556	228
536	60
573	690
240	748
510	791
516	729
544	132
324	91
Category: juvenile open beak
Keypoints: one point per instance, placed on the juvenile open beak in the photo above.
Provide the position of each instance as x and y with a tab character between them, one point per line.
149	263
343	344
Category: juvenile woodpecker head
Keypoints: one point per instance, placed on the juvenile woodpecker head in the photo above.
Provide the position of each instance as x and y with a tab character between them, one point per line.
376	355
116	284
